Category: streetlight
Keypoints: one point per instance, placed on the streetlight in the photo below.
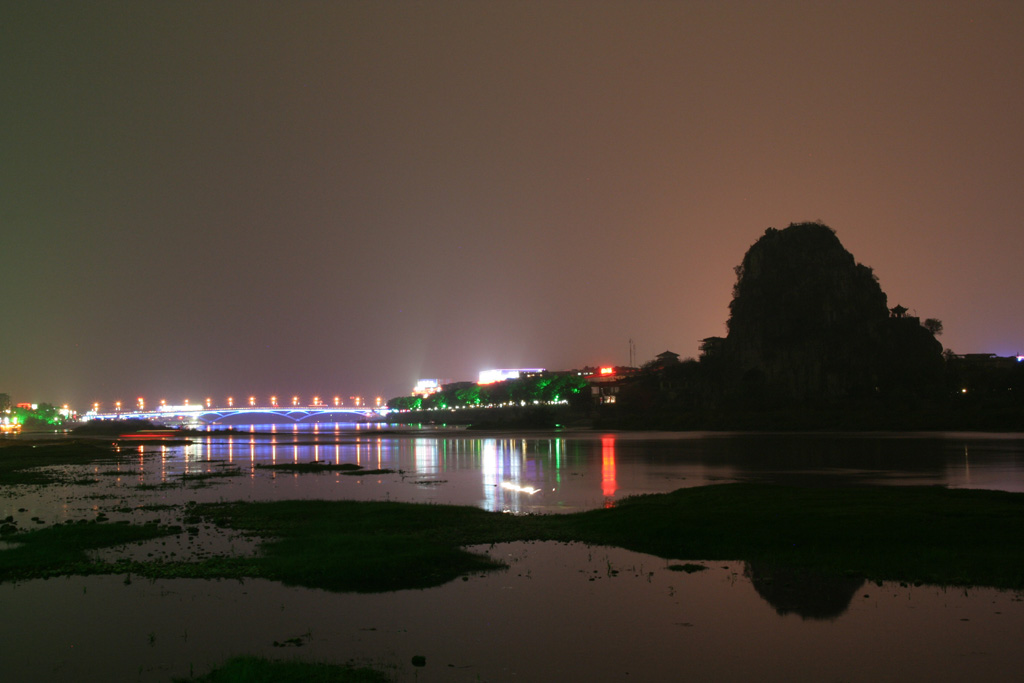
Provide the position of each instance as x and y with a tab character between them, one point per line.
295	400
337	401
273	401
95	407
142	404
208	402
316	400
117	406
252	401
231	402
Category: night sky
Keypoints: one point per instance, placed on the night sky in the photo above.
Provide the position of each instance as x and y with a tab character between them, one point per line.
339	198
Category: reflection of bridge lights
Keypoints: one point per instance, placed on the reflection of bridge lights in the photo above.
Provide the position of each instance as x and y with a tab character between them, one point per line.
522	489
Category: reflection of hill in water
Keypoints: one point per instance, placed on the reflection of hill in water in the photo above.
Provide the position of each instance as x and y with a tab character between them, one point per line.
798	591
803	458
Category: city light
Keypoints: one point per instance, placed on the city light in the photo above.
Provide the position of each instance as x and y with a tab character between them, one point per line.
273	401
231	402
295	400
252	400
142	404
521	489
337	401
208	402
117	406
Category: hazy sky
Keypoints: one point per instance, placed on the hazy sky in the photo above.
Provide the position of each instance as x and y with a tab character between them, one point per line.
232	198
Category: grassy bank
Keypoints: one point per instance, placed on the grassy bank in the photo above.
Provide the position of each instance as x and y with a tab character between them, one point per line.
260	670
22	463
911	534
915	534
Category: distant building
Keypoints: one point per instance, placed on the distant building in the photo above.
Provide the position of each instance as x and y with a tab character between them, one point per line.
605	381
492	376
989	360
710	347
426	387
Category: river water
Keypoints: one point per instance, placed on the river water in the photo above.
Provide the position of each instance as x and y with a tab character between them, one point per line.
560	612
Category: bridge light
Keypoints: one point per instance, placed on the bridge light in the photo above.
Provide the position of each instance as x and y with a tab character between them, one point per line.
231	402
252	400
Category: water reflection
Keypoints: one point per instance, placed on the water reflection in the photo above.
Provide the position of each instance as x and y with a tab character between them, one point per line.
501	462
563	612
568	471
806	593
608	484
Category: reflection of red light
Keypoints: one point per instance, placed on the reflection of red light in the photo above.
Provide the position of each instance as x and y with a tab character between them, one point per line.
607	371
608	483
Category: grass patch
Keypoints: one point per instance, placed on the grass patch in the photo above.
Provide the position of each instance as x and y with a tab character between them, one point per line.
357	546
911	534
916	534
261	670
20	463
155	507
62	549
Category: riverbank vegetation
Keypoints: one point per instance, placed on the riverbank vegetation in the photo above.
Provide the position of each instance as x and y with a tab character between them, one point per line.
910	534
262	670
28	463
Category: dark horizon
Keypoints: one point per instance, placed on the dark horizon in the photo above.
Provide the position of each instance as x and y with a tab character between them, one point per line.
343	198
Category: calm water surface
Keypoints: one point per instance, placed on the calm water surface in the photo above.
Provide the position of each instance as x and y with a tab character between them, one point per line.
544	473
560	612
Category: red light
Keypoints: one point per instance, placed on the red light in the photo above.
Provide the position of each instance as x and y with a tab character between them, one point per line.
607	371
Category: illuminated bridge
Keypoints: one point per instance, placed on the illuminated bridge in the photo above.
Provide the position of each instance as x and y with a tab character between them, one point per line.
250	415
